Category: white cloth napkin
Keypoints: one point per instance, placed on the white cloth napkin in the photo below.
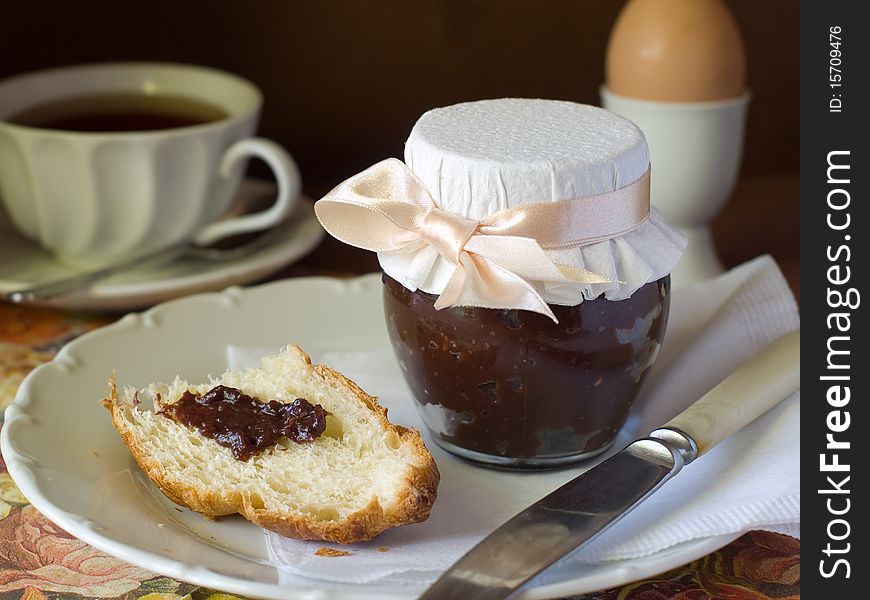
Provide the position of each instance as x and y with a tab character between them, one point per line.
750	481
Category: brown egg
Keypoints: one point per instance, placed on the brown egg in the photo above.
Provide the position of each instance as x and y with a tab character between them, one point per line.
676	50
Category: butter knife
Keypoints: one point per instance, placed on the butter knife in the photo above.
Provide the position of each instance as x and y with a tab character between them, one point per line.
587	505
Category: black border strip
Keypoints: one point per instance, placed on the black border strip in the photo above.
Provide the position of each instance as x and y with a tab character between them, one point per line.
834	253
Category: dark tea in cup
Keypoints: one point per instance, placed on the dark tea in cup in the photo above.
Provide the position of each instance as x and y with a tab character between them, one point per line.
119	112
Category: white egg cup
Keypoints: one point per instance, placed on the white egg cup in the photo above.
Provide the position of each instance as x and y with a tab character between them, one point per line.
695	151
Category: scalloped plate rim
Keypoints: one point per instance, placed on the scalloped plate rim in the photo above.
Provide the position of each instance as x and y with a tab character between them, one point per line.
607	574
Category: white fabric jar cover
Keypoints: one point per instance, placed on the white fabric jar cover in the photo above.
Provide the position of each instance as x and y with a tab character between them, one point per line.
478	158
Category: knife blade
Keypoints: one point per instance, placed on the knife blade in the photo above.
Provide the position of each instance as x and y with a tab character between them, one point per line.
586	506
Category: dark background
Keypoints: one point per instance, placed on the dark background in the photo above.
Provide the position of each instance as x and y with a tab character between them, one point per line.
344	81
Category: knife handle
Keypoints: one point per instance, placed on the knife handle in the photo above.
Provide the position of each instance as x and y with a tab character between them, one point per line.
753	389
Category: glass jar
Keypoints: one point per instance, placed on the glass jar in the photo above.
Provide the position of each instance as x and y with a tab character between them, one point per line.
514	389
540	207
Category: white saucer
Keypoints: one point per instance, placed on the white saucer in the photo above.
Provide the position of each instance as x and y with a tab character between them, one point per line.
24	263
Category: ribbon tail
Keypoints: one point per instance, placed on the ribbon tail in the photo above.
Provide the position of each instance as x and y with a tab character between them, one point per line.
526	258
576	275
477	281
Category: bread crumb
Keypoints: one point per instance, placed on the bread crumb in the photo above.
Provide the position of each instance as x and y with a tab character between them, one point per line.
383	549
331	552
95	454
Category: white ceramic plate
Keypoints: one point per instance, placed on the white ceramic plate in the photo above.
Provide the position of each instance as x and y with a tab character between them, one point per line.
65	456
24	263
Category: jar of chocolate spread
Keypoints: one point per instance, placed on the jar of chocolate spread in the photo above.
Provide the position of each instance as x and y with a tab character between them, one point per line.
526	278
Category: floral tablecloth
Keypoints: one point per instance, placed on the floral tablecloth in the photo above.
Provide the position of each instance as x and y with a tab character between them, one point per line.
40	560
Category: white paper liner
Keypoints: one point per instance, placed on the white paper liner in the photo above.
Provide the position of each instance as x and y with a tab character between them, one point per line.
480	157
646	254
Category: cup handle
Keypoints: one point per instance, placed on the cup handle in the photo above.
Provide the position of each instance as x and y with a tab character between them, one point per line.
289	187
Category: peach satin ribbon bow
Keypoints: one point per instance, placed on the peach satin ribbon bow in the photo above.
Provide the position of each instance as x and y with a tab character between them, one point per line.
386	208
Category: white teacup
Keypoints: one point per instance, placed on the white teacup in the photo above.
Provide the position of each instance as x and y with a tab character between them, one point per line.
93	198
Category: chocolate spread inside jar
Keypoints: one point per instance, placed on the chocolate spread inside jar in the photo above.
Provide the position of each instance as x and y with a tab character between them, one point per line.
511	386
244	424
